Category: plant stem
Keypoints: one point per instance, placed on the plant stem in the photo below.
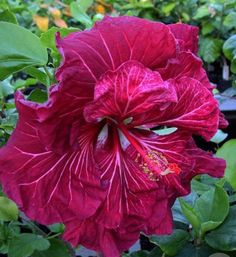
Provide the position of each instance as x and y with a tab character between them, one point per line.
48	74
53	236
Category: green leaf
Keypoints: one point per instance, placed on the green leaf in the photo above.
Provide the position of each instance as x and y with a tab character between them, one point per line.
195	251
224	237
210	49
25	244
165	131
230	20
38	74
57	249
233	65
48	38
80	15
19	48
167	8
38	96
6	88
212	208
156	252
202	12
219	255
8	16
219	137
229	47
84	4
227	152
207	28
190	214
177	210
21	83
139	254
8	209
57	227
173	243
198	187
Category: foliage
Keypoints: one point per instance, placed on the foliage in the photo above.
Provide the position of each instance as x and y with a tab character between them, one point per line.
205	220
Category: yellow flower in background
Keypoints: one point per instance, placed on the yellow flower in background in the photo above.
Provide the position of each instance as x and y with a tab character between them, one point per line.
100	9
41	22
56	14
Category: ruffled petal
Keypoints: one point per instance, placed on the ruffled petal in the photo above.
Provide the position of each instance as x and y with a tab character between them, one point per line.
205	163
185	64
186	35
196	109
223	123
57	119
111	242
95	51
129	92
50	186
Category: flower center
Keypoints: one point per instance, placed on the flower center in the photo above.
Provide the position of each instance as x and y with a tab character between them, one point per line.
151	162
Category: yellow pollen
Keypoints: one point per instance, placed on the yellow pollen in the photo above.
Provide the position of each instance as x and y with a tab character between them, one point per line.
155	165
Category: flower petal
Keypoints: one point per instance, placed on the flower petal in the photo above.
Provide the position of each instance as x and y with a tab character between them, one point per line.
196	109
185	64
129	92
58	117
129	188
93	52
205	162
50	187
186	35
111	242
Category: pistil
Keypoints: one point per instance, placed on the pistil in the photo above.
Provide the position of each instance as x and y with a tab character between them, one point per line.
152	162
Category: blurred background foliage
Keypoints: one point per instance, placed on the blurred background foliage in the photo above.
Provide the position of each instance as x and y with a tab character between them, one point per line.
33	24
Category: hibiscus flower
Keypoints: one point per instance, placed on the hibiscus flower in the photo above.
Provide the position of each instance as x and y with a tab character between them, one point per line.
89	156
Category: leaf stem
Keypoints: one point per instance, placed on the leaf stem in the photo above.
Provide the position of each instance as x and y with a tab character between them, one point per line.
51	78
55	235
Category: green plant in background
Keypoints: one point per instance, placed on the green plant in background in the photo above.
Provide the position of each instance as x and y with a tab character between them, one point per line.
205	220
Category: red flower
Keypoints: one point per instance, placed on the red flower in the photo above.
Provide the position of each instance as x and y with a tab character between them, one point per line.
88	156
